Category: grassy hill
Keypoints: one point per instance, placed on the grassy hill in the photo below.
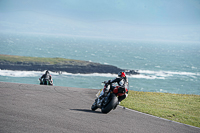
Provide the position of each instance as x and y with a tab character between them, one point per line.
52	61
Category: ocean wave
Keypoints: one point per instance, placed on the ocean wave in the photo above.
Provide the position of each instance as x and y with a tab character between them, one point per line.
11	73
141	76
144	74
167	73
113	75
90	74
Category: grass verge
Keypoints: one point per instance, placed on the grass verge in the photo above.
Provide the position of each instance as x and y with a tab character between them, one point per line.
14	59
181	108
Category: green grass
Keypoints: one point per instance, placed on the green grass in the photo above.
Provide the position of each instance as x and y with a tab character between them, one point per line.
14	59
176	107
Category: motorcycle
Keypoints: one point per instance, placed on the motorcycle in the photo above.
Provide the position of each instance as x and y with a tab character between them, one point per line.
46	82
110	101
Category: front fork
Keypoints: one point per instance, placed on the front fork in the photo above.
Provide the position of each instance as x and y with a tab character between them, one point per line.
103	96
102	101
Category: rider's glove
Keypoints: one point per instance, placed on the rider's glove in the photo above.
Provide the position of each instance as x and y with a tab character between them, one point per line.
104	82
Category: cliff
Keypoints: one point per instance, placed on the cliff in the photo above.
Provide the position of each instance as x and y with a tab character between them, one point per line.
10	62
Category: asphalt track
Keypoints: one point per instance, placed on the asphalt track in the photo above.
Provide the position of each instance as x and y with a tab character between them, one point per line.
27	108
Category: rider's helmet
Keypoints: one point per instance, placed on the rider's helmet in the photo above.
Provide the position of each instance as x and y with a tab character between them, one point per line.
47	72
121	74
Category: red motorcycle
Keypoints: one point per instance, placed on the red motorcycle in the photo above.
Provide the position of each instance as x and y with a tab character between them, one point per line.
110	101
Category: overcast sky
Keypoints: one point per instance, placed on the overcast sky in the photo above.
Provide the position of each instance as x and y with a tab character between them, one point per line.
170	20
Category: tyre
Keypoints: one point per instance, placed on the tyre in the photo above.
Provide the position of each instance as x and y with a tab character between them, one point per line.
94	106
113	102
45	82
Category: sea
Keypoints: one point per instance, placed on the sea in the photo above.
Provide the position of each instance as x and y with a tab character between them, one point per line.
164	66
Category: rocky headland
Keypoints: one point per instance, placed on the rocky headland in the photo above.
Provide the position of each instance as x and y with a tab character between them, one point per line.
10	62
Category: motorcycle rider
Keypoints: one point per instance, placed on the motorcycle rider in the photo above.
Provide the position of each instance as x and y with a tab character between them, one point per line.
46	76
122	81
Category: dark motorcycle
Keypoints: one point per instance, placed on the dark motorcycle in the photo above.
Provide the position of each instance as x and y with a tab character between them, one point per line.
110	101
46	82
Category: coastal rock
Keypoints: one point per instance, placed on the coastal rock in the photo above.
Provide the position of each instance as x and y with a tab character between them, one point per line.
9	62
70	68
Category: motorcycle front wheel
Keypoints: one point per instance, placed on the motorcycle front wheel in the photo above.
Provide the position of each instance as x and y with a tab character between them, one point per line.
113	102
94	106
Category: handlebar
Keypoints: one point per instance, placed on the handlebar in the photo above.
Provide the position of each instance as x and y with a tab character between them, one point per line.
105	82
